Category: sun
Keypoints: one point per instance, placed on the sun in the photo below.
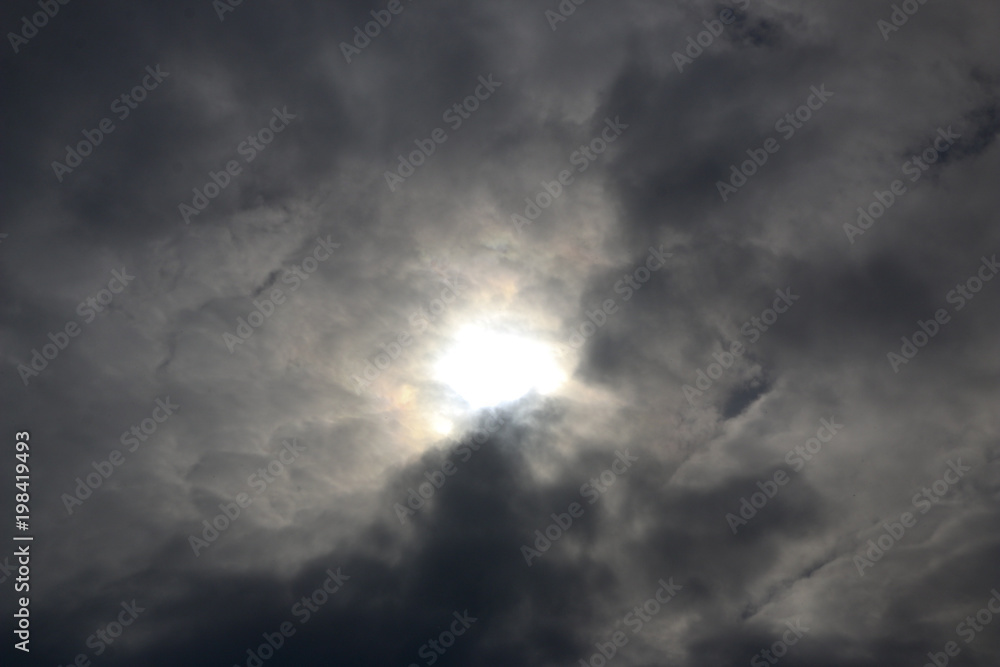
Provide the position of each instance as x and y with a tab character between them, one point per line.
487	368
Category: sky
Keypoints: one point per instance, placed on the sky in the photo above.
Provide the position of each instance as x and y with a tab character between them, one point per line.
569	333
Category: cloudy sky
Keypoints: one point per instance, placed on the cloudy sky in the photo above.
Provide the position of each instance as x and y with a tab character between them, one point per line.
405	333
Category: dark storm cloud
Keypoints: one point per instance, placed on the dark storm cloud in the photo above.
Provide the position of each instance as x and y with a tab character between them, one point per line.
323	177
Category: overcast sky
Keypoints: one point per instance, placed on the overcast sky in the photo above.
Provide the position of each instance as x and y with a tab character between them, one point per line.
755	241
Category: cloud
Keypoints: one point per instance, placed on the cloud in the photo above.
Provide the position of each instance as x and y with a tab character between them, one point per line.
322	178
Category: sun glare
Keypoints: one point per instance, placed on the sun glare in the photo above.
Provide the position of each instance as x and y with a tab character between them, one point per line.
487	368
